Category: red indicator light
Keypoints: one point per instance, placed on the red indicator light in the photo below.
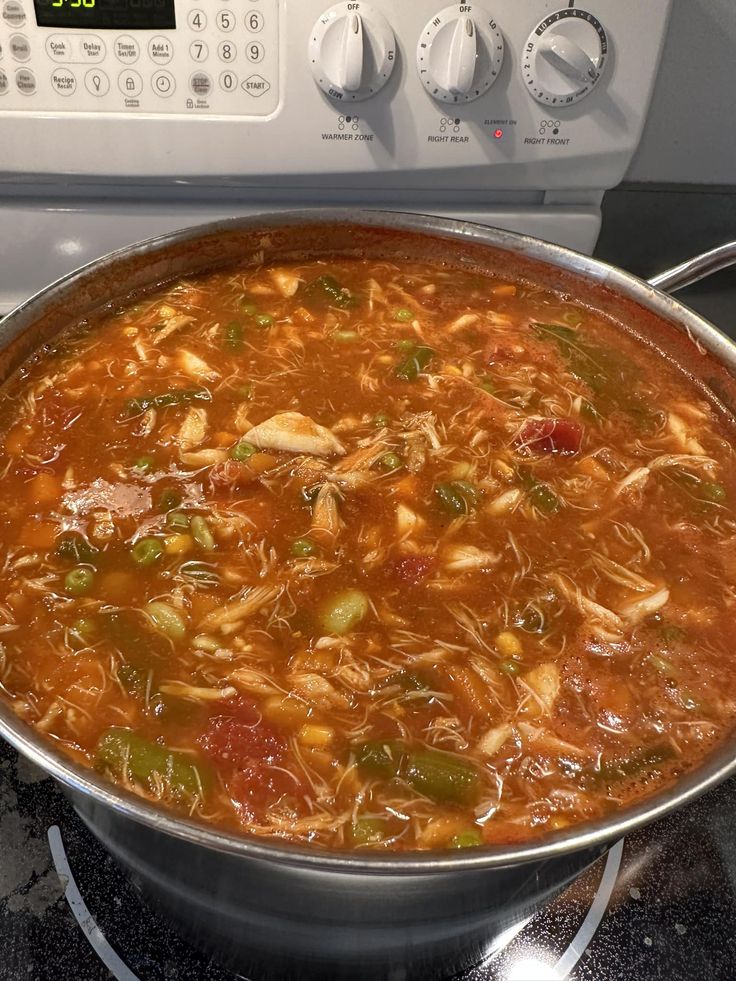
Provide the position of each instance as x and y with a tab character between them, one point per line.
498	134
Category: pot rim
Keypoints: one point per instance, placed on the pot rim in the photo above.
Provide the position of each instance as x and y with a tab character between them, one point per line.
590	835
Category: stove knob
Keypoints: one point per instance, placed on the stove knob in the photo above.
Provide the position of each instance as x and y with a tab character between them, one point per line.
460	53
352	51
564	57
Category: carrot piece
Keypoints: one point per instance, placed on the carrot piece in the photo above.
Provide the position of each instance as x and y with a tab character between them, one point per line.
17	439
470	689
38	534
224	439
261	462
44	488
117	587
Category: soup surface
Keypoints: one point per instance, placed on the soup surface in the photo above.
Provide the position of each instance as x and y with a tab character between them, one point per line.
368	555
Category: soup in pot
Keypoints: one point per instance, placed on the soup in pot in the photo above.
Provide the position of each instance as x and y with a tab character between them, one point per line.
368	555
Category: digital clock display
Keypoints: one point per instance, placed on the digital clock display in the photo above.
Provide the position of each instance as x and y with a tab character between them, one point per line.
129	15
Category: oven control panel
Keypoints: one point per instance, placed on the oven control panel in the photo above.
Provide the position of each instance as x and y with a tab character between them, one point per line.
140	56
540	95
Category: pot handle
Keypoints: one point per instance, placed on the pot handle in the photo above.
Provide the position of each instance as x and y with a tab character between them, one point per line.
695	269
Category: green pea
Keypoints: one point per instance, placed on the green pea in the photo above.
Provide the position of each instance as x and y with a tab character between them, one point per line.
249	309
147	551
169	499
405	345
79	581
263	320
466	839
403	315
242	451
84	631
144	464
202	534
381	420
510	667
303	547
391	461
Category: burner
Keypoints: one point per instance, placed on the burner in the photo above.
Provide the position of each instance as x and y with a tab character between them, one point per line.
661	904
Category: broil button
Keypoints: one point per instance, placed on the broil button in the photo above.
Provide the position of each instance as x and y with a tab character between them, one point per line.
256	86
20	49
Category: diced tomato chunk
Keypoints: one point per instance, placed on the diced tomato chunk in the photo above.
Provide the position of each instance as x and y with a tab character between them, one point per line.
240	738
413	568
561	436
257	787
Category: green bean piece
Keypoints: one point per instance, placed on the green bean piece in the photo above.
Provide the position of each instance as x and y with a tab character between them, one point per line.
181	396
343	612
391	461
84	631
456	497
417	360
123	752
134	680
310	493
368	831
663	665
380	757
403	315
325	291
147	551
167	619
177	520
200	573
74	547
672	634
544	499
168	500
407	681
234	335
242	451
303	548
79	581
442	777
611	771
466	839
201	533
263	320
145	464
588	411
488	385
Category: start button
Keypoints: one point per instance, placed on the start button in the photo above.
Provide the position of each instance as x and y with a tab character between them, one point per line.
256	86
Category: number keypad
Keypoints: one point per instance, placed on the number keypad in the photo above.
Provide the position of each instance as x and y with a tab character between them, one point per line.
222	59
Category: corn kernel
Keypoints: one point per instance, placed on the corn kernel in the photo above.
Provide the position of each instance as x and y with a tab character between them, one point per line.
178	544
287	712
509	644
317	736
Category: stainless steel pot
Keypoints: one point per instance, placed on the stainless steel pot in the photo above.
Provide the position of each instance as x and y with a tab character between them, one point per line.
301	911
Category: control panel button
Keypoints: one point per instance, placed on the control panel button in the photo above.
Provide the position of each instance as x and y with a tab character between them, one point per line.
228	81
198	51
4	85
254	51
163	84
226	51
197	20
91	49
59	47
126	49
25	81
20	47
63	81
13	13
352	54
96	82
130	83
256	86
254	21
201	84
160	50
225	20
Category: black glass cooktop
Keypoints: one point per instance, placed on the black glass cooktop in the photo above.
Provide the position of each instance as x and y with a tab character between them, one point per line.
660	905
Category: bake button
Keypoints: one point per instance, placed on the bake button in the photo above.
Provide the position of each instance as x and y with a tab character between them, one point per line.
13	13
126	49
59	47
130	83
4	85
25	81
96	82
160	50
201	84
163	84
256	86
20	48
63	81
91	48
